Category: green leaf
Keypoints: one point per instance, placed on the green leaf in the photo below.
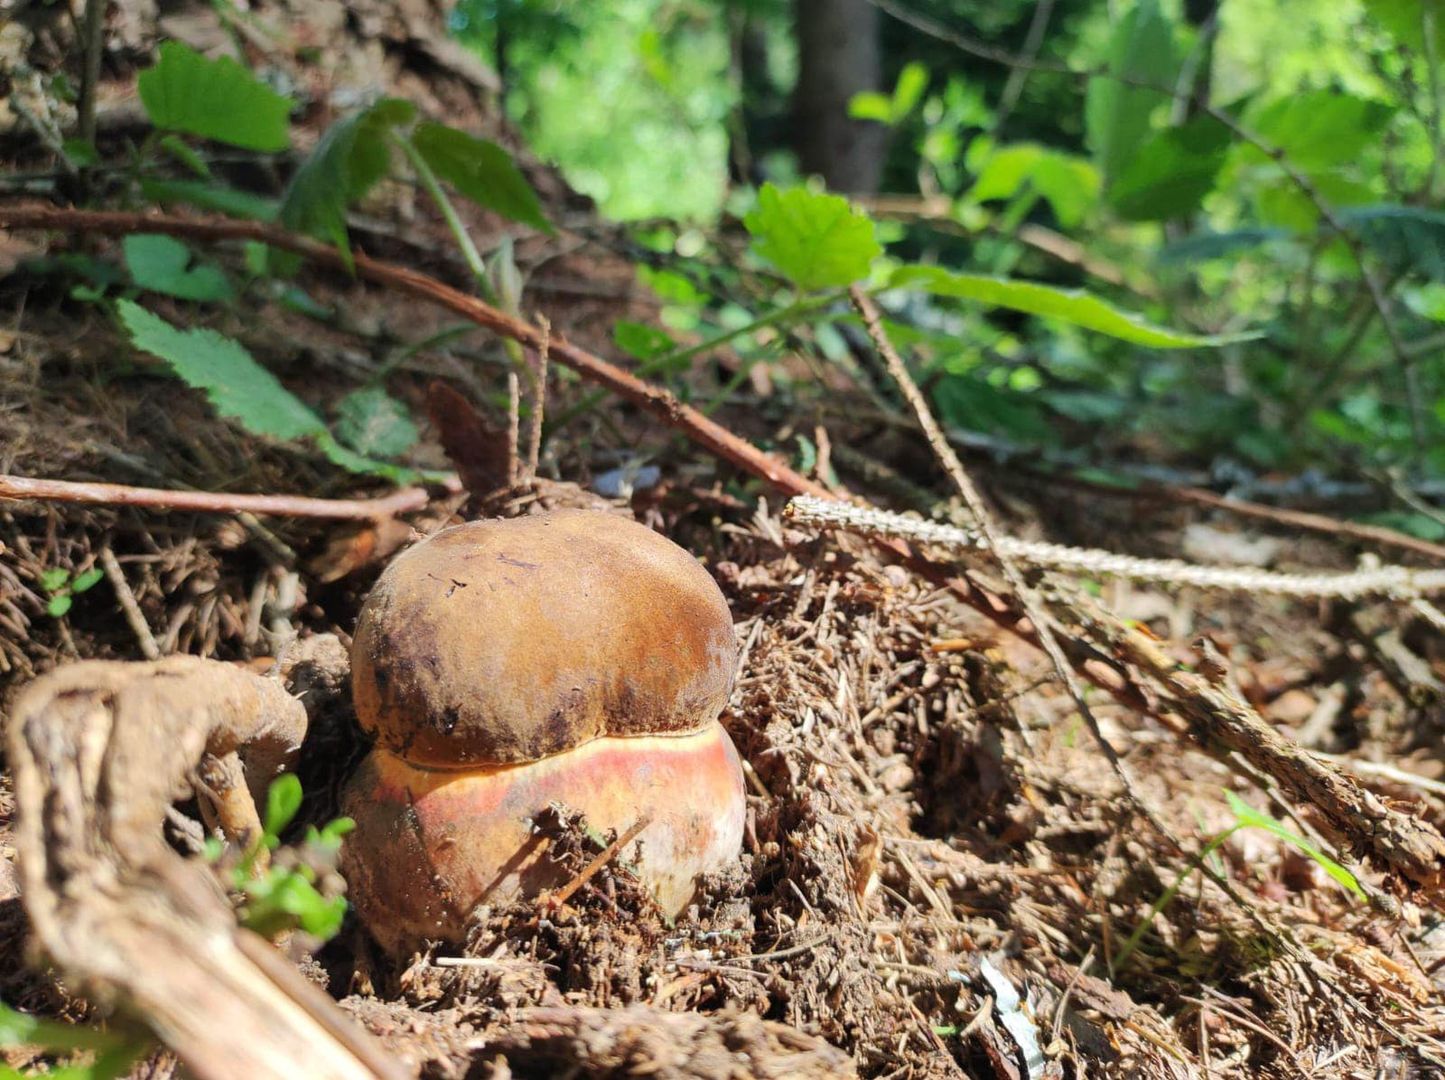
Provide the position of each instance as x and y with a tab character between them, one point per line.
1405	21
1069	183
908	91
1075	306
59	604
162	264
177	148
87	580
225	200
1250	817
80	153
1169	175
215	99
972	404
21	1029
641	341
871	105
372	422
1319	128
1408	238
362	465
54	579
346	163
1210	245
283	800
482	171
1117	112
235	384
816	240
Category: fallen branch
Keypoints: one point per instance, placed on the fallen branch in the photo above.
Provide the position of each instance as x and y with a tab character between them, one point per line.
400	501
99	751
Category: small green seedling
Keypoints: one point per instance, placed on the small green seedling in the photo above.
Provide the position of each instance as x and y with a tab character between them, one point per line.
63	587
1245	817
114	1052
285	897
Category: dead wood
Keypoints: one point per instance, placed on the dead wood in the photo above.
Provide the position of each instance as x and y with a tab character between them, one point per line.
99	751
400	501
645	1042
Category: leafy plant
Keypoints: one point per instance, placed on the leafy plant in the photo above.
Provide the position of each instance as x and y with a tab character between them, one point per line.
285	897
64	587
1245	817
113	1052
241	389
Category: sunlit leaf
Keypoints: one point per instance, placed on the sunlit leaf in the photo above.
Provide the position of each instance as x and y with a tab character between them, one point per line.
1317	128
215	99
1075	306
1248	816
283	800
816	240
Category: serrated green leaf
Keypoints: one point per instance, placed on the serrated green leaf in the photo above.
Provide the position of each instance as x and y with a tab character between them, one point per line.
237	386
215	99
347	162
59	605
1118	111
162	264
817	240
482	171
1169	175
225	200
1076	306
372	422
87	580
1248	816
54	578
283	800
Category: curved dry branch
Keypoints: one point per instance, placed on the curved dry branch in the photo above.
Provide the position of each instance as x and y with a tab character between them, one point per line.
99	751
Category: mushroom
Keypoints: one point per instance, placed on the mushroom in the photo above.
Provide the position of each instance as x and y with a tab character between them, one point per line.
573	657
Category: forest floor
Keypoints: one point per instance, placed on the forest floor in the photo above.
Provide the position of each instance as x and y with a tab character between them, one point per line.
941	868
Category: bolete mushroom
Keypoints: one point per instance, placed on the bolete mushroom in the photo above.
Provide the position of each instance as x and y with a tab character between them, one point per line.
573	657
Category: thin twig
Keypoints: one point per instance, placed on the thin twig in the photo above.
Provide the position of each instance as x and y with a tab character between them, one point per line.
402	501
90	73
514	426
539	398
113	573
562	895
1032	605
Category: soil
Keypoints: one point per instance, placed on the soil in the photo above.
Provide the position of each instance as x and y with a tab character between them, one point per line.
931	829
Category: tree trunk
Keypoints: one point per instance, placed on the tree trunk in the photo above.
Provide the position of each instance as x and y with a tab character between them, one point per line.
838	56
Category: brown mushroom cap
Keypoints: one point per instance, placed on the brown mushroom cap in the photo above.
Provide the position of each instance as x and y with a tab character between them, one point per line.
511	640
